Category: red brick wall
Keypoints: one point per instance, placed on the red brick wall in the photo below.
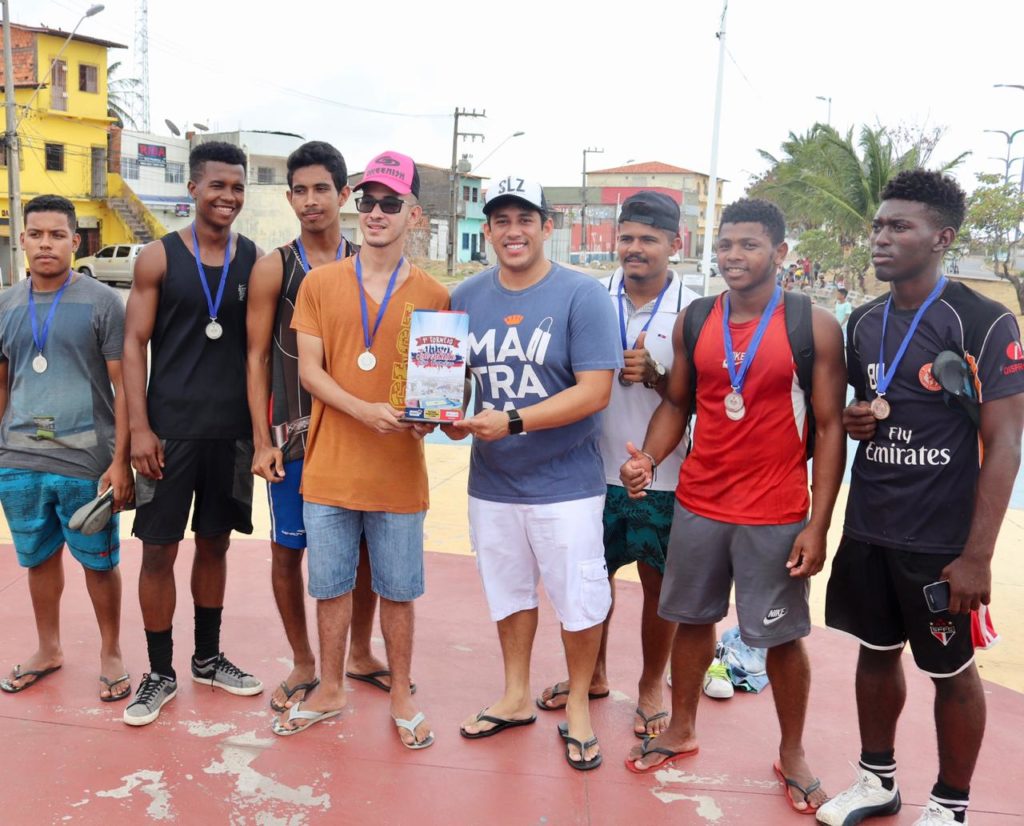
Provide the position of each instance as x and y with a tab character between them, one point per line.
23	55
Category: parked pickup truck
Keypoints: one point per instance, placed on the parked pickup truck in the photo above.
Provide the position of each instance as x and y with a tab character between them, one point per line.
112	265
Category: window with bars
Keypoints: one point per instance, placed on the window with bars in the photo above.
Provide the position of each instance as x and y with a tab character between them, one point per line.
174	173
129	168
54	157
264	174
88	78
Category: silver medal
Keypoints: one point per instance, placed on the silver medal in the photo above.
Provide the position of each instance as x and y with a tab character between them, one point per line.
39	363
733	402
623	380
880	408
737	414
213	330
366	361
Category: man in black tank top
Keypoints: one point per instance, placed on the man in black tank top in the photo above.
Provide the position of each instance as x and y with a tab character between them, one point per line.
317	189
190	429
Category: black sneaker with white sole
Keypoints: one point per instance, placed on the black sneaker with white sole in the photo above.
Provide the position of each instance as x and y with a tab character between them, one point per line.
220	672
153	693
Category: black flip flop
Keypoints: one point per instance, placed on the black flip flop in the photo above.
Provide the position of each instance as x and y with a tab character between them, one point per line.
289	692
647	721
581	764
500	724
17	674
564	692
373	678
116	698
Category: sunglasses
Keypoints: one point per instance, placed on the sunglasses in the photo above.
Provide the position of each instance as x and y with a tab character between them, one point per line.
389	205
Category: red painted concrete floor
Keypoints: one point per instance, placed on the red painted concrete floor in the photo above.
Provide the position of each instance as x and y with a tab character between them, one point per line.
212	759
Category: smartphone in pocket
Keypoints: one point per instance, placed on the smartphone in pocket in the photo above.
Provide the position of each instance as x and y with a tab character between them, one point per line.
936	596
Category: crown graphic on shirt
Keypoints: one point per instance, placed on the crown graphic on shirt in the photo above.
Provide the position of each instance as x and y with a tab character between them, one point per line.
513	320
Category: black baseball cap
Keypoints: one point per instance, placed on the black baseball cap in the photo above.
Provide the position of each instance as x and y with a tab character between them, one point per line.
652	208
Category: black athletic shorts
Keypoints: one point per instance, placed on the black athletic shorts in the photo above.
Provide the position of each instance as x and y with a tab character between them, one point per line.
218	472
875	593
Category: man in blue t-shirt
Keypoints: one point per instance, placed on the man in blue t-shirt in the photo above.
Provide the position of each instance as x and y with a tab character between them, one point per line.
543	348
925	505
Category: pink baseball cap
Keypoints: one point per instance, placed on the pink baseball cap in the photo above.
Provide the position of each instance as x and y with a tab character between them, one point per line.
395	170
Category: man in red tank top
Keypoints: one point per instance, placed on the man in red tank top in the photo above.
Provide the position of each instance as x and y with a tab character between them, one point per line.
741	515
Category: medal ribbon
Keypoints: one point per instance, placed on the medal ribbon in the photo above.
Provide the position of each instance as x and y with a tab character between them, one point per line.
885	379
39	339
211	305
622	313
367	335
302	254
737	377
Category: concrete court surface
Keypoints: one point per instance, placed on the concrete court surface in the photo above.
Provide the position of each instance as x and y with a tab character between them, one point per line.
212	759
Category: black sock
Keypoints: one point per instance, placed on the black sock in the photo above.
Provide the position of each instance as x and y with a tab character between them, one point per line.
955	800
207	632
882	764
161	653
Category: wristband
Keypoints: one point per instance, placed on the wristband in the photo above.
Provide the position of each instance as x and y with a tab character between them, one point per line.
654	466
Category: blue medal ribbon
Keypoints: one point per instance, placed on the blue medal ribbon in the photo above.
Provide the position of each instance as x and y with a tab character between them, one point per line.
39	337
305	261
884	379
212	305
737	377
622	313
367	335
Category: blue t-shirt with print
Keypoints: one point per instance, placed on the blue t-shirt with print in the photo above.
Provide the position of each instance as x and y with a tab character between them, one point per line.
526	346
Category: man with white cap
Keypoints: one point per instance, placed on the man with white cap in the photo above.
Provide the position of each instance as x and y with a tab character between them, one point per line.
352	317
543	351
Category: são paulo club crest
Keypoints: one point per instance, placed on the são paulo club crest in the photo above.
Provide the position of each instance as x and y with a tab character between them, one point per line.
943	630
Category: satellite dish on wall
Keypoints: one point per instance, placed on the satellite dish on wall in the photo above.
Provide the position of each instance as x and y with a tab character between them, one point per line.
174	129
202	127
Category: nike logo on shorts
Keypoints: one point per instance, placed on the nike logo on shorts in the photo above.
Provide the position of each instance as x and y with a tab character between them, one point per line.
774	615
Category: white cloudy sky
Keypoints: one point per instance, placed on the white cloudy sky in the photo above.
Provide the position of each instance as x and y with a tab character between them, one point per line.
636	79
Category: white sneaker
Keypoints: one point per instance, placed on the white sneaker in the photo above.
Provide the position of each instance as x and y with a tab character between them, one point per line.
865	798
717	683
935	814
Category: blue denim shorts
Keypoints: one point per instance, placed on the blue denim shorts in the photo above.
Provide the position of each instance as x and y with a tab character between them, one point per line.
38	506
394	541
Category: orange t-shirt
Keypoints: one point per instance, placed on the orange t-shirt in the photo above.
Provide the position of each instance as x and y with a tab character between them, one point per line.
347	464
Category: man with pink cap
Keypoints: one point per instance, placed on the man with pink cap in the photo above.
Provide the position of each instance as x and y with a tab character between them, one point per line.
352	318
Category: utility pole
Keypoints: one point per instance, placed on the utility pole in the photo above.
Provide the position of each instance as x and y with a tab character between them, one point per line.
583	201
709	214
453	217
15	272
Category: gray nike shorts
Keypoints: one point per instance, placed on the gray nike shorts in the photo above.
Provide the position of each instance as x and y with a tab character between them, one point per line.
706	557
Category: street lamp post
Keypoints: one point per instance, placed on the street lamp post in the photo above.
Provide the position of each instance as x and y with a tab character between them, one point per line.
709	211
11	133
489	154
583	201
827	100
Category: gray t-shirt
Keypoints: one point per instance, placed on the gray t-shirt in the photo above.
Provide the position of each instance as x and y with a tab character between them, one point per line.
526	346
62	420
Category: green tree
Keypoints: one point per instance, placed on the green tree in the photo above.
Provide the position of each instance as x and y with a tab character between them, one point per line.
995	212
821	246
121	93
833	182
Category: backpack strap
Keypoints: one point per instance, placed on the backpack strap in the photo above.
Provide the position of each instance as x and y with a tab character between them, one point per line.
800	331
697	312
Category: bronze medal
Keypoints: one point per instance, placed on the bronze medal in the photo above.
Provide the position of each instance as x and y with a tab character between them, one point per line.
880	408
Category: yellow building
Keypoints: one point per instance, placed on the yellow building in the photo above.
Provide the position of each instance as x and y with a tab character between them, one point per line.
65	138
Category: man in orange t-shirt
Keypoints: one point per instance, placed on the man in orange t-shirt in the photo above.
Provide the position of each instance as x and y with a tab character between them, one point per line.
352	318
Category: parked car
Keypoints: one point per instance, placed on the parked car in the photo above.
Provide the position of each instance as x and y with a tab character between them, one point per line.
112	265
714	265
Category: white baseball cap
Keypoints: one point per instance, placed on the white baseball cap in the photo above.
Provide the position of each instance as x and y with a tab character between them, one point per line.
514	187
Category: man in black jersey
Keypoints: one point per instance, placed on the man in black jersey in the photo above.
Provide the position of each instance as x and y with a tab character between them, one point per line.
317	189
923	507
190	428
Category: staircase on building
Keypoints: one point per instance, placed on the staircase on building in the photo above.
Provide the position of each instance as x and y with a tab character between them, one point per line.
127	211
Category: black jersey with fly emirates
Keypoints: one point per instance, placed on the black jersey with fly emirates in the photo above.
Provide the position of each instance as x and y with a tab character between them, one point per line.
913	484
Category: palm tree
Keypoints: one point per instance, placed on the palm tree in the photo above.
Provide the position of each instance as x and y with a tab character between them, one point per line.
121	94
828	181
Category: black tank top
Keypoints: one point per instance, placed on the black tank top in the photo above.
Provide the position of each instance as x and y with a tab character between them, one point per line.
197	385
290	402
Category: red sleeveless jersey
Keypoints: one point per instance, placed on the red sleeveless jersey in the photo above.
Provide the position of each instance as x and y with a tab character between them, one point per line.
752	471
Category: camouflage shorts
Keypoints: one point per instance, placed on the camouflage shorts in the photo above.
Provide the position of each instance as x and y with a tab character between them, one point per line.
636	530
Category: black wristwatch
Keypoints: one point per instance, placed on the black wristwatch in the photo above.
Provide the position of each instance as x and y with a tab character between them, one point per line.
660	373
515	423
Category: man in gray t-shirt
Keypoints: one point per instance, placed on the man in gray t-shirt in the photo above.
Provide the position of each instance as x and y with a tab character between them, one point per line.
543	348
63	430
